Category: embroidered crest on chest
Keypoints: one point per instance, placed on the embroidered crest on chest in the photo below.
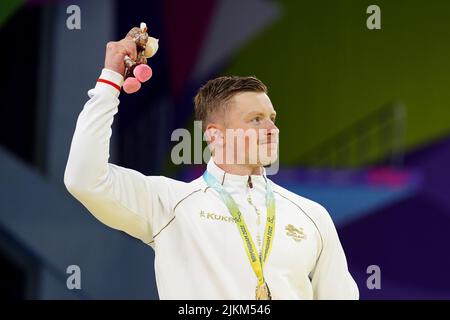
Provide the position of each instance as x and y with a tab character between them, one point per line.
295	233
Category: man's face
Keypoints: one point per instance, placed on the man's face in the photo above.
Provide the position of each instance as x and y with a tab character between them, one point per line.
248	130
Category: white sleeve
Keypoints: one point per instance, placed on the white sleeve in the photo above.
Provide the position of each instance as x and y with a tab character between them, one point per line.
330	277
121	198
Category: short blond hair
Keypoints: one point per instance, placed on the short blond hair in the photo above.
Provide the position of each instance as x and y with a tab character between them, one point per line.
214	95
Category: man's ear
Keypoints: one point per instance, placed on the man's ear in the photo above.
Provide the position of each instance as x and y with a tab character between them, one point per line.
213	132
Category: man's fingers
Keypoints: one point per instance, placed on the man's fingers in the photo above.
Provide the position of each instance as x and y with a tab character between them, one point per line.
116	52
130	47
123	48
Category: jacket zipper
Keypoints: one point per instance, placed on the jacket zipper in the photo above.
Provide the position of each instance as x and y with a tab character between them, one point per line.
258	216
249	182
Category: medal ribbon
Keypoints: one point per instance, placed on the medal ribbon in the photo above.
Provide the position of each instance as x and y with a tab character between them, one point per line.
250	248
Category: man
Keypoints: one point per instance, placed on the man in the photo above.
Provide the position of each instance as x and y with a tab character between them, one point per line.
230	234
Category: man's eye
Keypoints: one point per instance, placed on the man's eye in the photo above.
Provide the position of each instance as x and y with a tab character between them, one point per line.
256	120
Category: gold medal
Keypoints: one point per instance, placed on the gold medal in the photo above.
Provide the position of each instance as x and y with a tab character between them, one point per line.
263	292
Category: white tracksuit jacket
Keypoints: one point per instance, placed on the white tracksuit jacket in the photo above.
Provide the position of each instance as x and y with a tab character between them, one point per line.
199	253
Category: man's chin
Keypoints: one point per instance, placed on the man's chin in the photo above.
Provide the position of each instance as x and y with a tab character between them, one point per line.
268	154
268	160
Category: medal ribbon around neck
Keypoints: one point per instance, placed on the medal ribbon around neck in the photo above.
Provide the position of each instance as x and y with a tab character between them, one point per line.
250	248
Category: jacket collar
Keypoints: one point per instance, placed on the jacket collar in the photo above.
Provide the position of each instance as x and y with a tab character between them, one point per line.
233	180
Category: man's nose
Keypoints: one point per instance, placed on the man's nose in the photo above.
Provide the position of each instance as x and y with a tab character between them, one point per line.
272	128
269	131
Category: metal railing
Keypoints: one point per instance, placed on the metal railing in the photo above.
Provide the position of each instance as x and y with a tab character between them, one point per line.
378	138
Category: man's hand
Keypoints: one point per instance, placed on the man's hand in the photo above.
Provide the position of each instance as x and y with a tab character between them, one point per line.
116	52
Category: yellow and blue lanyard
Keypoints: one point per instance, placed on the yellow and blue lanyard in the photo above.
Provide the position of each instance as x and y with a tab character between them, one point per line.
256	261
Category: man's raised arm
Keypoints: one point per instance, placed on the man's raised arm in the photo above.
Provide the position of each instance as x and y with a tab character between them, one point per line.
121	198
